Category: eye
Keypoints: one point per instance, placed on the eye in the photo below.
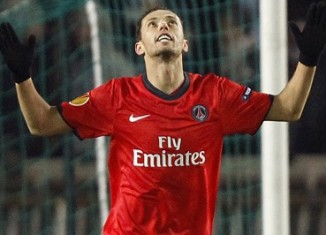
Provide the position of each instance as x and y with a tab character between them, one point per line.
172	22
151	24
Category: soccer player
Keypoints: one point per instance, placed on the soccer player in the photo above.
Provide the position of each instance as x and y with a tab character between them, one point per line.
166	125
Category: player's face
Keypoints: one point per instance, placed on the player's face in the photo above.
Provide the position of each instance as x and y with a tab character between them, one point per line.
161	35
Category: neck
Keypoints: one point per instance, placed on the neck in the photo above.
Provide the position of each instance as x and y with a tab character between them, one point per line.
166	76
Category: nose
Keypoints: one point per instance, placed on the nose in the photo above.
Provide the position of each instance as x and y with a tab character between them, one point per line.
163	25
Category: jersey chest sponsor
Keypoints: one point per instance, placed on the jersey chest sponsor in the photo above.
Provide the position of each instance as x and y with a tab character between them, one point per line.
169	155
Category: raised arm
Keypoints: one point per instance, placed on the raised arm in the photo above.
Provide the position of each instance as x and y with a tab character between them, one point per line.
41	118
288	105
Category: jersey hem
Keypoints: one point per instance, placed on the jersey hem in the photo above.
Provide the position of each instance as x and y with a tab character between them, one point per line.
59	107
271	98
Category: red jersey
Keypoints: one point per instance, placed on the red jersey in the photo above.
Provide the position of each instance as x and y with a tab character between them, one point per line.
165	150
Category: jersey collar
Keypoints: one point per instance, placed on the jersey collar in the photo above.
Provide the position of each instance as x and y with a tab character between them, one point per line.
175	95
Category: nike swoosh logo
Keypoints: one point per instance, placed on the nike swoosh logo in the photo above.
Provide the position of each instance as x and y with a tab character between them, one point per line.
133	118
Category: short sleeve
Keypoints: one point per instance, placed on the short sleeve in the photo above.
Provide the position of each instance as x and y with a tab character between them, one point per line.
91	115
242	109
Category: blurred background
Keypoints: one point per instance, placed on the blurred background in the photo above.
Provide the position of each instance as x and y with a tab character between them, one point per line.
49	185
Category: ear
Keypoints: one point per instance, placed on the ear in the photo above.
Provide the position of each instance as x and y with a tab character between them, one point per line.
139	48
185	46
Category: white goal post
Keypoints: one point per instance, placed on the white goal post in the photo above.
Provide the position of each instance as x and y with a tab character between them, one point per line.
100	143
275	153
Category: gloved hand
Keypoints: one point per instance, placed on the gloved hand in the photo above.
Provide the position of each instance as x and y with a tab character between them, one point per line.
19	57
312	39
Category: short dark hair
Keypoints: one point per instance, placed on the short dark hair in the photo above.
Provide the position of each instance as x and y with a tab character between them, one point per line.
140	20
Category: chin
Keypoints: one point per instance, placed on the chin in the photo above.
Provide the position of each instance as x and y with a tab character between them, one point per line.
167	54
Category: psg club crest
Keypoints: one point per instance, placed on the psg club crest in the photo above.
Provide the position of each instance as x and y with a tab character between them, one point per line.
199	113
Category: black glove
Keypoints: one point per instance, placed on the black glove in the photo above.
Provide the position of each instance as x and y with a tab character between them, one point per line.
312	39
18	57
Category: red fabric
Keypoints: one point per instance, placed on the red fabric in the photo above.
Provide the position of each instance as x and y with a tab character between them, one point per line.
164	163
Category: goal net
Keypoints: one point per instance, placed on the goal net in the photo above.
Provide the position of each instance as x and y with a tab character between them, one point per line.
51	185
